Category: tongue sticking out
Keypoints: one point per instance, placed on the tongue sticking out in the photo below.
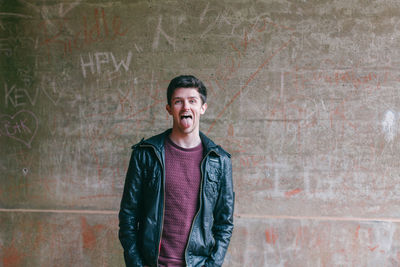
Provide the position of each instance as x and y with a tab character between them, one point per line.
186	122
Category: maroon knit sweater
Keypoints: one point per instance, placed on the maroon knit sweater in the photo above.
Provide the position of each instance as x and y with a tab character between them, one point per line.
182	185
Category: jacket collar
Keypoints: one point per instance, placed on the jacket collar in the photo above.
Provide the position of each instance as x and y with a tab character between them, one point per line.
157	141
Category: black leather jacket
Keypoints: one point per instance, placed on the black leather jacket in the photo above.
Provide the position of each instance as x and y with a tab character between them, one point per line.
142	206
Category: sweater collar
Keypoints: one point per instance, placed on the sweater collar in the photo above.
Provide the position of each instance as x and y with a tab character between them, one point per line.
158	141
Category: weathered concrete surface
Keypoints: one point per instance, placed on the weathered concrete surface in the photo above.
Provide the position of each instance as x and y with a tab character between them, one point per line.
303	94
59	239
314	242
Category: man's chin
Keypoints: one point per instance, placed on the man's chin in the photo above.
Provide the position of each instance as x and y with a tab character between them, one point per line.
187	130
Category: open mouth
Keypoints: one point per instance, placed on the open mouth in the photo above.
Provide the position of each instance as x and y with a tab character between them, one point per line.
187	120
186	117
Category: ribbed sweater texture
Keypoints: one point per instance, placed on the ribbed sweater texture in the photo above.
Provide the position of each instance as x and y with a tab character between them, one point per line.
182	185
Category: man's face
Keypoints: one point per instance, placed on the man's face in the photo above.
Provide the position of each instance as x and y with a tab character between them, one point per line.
185	109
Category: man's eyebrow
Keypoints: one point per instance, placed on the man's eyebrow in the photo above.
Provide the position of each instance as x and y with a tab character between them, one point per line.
181	97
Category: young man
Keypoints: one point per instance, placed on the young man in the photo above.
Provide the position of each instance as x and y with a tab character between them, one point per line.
177	205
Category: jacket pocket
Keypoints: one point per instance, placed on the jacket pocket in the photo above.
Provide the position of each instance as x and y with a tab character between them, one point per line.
211	187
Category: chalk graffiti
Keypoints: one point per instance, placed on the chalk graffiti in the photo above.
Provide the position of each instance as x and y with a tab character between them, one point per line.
104	58
5	48
91	31
63	12
271	235
22	126
45	11
26	75
302	78
51	87
292	242
15	43
251	36
90	233
11	256
70	235
16	96
160	31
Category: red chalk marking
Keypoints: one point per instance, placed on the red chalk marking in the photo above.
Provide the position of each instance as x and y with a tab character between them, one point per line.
22	126
89	233
293	192
92	31
373	248
251	78
144	109
231	131
358	231
271	236
251	161
11	257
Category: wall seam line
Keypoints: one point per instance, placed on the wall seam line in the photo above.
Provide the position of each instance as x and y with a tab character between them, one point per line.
244	216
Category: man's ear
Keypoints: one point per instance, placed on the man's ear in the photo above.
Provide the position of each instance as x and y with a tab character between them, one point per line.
168	108
203	108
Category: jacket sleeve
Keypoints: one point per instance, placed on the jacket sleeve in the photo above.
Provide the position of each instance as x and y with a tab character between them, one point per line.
223	217
129	213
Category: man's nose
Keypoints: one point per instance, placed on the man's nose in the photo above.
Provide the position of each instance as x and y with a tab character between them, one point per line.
186	105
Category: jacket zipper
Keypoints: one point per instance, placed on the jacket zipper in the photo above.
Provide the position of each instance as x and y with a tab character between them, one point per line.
197	213
163	213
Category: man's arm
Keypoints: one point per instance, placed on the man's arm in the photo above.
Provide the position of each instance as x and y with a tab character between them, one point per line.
129	212
223	217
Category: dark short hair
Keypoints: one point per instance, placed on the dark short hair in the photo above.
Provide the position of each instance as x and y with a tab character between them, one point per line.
186	81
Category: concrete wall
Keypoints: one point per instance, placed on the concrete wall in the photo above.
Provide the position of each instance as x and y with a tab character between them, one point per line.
304	94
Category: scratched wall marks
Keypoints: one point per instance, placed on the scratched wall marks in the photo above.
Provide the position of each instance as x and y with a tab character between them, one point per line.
66	240
303	94
280	242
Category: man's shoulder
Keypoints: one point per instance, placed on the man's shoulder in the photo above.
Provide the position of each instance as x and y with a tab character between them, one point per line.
135	146
211	145
156	141
222	151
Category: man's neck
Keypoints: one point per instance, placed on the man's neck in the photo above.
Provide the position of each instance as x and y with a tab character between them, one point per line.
185	140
